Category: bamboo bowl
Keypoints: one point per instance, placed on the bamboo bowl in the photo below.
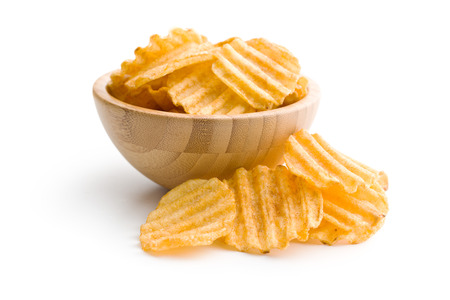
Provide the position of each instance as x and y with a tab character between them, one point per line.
170	148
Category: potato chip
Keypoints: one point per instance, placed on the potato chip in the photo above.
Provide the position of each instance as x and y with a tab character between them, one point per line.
183	56
302	87
196	212
147	97
161	57
311	158
327	233
156	49
227	41
156	55
300	92
161	97
277	53
352	217
198	91
260	72
354	202
381	177
143	98
272	208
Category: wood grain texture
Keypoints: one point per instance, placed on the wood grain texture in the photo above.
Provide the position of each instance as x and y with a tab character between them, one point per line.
170	148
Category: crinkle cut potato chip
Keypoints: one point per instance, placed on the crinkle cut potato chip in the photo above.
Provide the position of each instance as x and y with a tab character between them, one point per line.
273	207
161	57
143	98
351	217
354	201
260	72
302	87
161	54
313	159
185	55
198	91
195	213
301	90
381	176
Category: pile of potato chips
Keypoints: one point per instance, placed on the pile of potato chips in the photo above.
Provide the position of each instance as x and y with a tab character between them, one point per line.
320	194
185	73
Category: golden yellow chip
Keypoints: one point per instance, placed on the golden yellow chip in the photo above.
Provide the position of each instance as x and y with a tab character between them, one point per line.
277	53
381	177
185	55
161	57
152	95
311	158
302	87
198	91
326	233
272	208
143	98
352	217
260	72
161	97
196	212
149	98
155	50
354	202
227	41
301	90
142	81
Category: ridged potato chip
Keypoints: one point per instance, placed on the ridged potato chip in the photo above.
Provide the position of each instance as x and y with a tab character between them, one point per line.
354	202
301	90
161	57
161	98
302	87
198	91
156	49
183	56
272	208
381	176
351	217
260	72
196	212
313	159
143	98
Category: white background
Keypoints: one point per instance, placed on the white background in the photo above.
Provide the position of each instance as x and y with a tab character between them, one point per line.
71	206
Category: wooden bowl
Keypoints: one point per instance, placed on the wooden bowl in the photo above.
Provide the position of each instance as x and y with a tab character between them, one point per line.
170	148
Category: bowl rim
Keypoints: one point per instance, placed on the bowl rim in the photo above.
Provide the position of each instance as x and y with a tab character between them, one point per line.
100	92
